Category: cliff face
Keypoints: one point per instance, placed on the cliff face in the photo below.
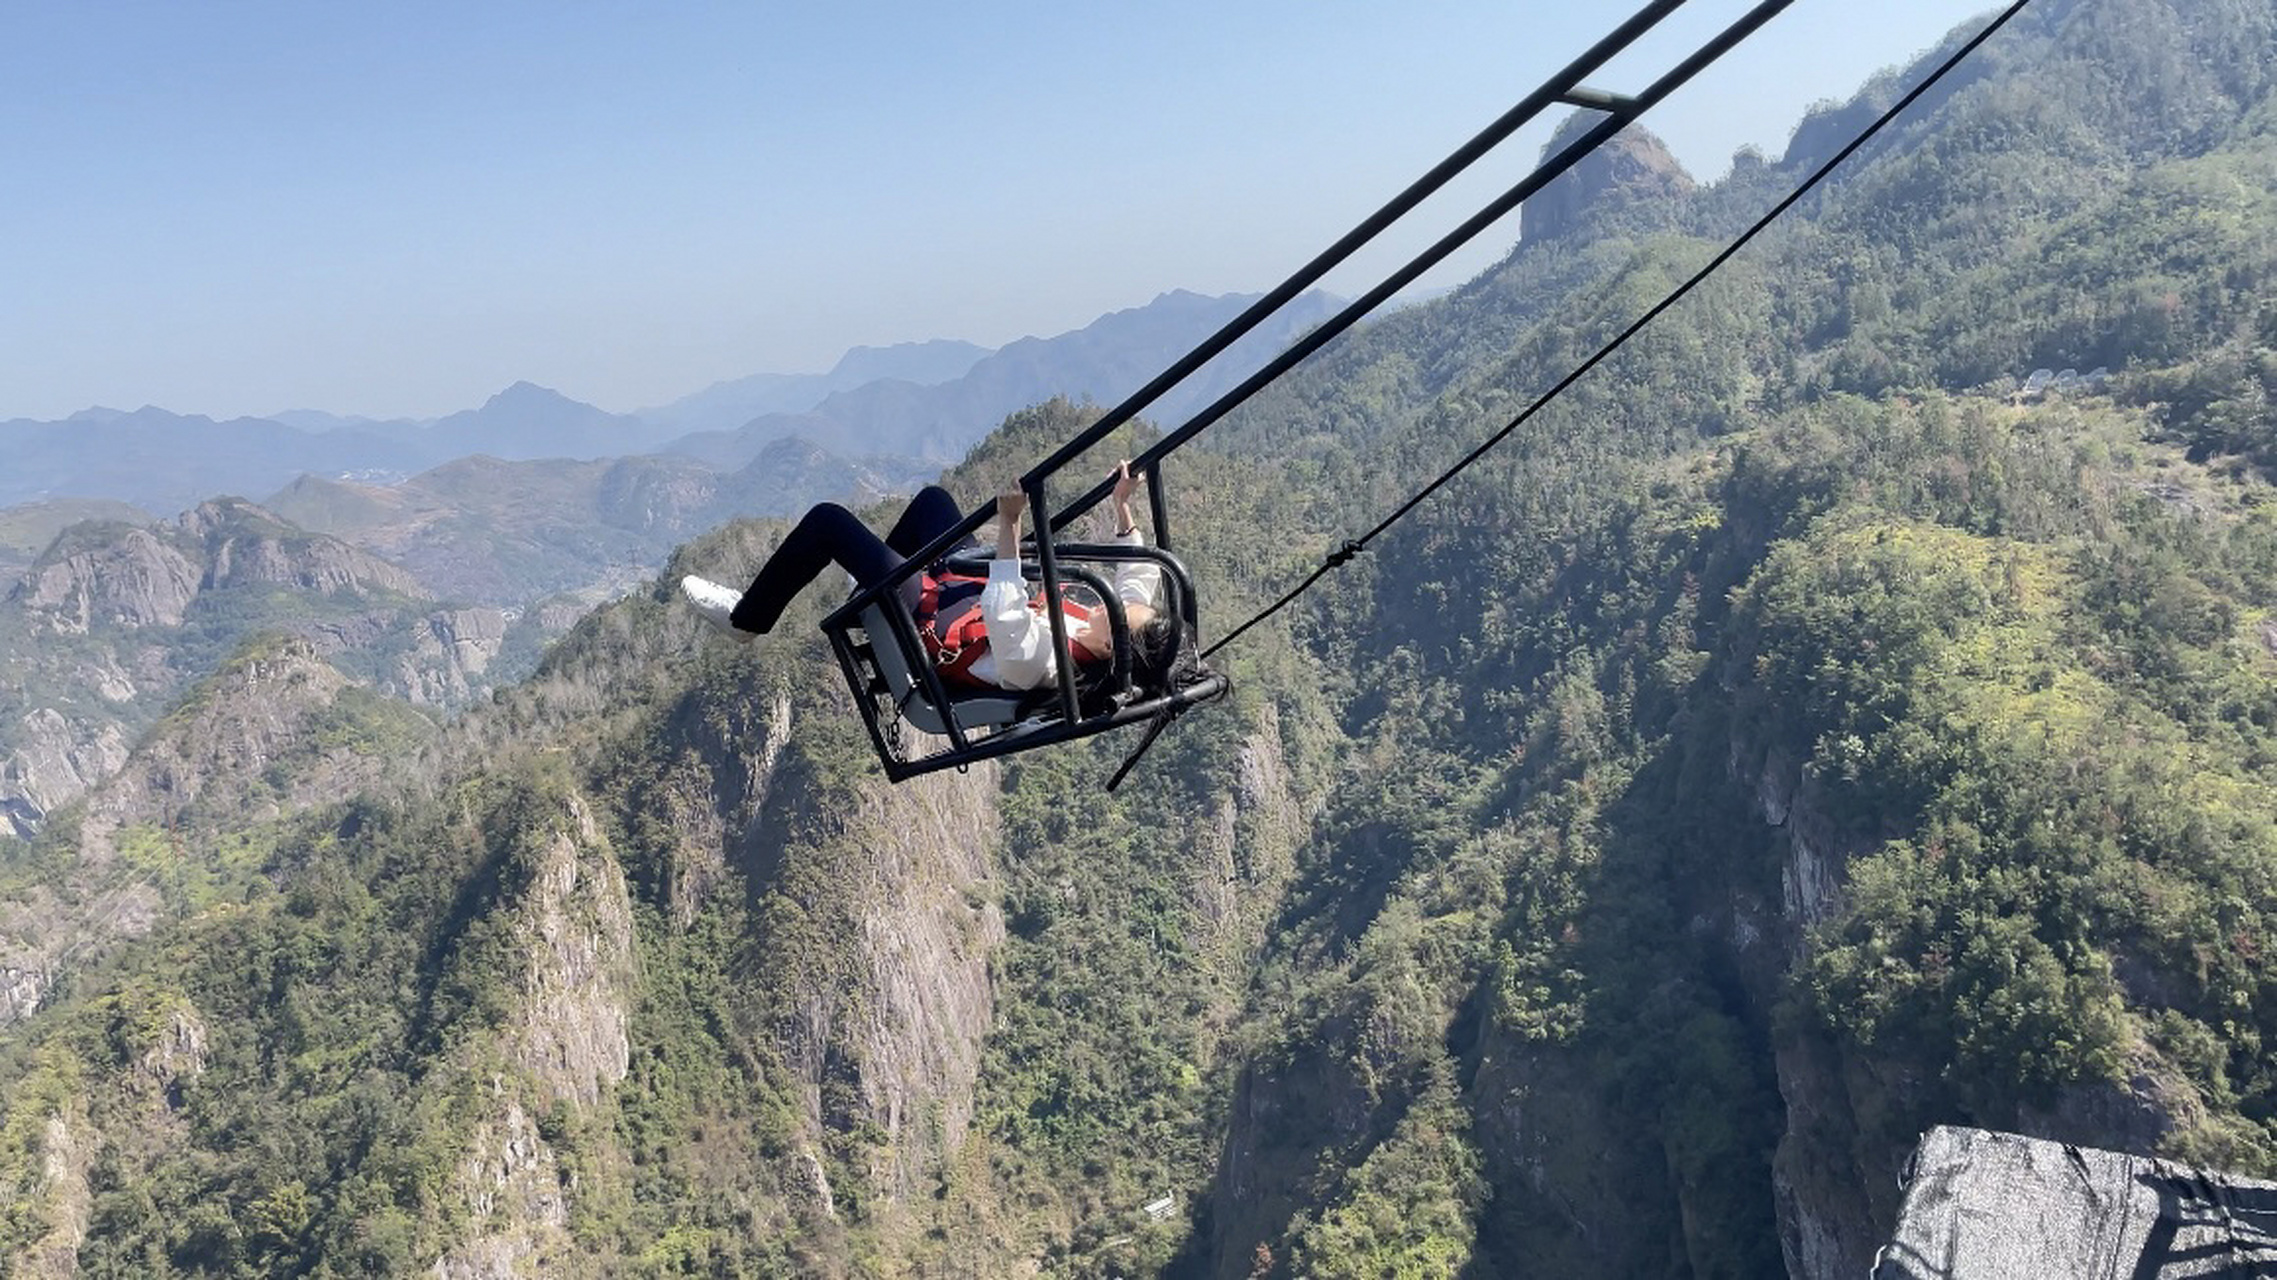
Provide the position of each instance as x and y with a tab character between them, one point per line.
912	1027
569	933
1852	1118
224	739
576	932
1839	1162
149	577
450	651
862	931
879	1012
265	737
48	764
244	545
49	1171
136	580
113	622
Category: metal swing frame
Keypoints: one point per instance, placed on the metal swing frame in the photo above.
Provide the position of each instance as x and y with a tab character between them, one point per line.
895	683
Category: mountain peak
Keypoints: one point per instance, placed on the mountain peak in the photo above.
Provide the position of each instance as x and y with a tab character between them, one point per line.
1634	166
924	363
529	421
528	394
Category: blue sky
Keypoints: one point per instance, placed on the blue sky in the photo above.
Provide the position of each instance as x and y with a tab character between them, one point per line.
397	209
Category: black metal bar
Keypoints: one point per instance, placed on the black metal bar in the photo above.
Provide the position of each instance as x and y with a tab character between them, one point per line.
1044	735
922	669
1548	171
1398	207
1154	730
1156	506
841	643
1054	607
1597	99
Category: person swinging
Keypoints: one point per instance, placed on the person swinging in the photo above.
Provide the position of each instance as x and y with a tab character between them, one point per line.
980	633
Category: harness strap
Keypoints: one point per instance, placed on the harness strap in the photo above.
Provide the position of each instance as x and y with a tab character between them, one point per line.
955	630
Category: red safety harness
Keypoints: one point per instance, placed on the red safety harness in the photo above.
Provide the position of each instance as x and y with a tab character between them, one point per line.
956	632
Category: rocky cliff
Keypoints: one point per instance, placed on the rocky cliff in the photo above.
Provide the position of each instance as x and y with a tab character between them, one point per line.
112	622
449	653
49	764
1850	1126
108	576
274	732
134	580
1633	172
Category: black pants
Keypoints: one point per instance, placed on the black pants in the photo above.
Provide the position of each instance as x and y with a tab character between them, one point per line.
830	534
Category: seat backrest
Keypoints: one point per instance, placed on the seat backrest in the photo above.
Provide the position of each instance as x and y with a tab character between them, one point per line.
980	709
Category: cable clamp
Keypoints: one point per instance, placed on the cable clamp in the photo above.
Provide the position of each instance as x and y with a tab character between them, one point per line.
1344	555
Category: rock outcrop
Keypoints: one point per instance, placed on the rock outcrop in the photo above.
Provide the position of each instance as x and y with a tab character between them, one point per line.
244	545
450	651
106	577
576	934
925	944
119	619
67	1146
131	581
1632	168
225	738
21	988
509	1184
261	738
48	764
1849	1118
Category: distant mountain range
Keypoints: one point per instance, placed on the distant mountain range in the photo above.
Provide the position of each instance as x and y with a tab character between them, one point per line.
1105	361
923	402
509	533
724	406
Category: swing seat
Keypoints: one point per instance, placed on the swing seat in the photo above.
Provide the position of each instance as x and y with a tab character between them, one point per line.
895	683
975	710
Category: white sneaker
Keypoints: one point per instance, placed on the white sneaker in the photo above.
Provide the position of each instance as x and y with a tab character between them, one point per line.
716	603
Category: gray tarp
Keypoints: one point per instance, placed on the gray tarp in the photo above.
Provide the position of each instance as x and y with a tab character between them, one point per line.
1993	1206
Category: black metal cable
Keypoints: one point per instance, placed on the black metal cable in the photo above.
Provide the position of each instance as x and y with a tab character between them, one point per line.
1353	547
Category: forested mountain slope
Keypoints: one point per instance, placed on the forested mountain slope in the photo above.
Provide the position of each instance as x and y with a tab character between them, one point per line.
114	620
655	931
1793	739
1798	740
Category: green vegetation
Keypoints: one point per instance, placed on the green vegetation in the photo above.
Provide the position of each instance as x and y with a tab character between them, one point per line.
1791	740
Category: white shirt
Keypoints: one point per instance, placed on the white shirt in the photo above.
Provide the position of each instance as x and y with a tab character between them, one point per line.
1020	651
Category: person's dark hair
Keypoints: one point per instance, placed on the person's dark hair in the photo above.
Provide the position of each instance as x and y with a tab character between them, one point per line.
1161	655
1160	660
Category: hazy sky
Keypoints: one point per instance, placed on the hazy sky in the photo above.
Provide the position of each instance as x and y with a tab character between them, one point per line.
244	206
